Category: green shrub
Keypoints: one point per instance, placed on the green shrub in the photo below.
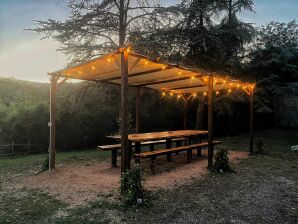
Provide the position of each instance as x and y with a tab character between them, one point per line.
132	188
260	146
45	164
221	163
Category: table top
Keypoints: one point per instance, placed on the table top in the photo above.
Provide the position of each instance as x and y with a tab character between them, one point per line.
160	135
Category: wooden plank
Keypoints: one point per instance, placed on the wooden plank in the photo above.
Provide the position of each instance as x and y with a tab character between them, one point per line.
149	83
161	135
172	150
210	121
125	158
138	74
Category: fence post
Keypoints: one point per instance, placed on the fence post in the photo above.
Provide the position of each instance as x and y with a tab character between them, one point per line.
29	149
12	148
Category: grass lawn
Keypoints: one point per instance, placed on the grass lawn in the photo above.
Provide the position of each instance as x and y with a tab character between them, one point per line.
263	190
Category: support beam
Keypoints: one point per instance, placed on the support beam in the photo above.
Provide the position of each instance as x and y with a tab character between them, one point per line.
125	150
251	122
52	123
210	121
138	109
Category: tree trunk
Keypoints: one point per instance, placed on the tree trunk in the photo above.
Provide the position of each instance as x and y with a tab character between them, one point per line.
200	113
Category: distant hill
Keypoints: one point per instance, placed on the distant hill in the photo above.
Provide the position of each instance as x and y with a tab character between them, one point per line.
15	91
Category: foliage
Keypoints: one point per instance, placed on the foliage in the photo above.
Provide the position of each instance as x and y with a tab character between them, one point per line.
273	60
221	163
100	27
260	146
132	188
45	164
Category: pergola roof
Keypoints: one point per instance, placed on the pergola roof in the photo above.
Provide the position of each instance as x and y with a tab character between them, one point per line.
148	73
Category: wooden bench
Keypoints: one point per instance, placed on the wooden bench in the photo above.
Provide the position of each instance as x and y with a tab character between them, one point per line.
115	147
188	148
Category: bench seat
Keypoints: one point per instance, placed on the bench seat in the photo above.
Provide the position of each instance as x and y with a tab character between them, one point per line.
188	148
115	147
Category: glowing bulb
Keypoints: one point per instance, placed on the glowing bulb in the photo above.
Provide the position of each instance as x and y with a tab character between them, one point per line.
224	81
217	92
127	50
179	73
179	96
171	94
194	95
163	67
163	93
229	90
205	79
192	77
93	67
109	59
238	86
146	62
205	93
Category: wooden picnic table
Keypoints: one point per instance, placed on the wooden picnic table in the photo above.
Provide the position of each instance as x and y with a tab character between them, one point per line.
153	136
141	137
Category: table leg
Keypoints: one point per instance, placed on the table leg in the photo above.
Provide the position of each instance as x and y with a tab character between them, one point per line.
114	158
137	149
129	152
189	151
199	149
168	146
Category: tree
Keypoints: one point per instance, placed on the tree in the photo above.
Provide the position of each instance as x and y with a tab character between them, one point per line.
273	59
100	27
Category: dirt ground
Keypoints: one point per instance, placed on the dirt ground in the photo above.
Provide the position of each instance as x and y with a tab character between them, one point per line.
78	183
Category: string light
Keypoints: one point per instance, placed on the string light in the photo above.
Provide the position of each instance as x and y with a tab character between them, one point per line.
205	94
179	73
163	67
163	93
193	77
109	59
146	62
194	95
205	79
179	96
171	94
224	81
229	90
217	92
93	67
238	86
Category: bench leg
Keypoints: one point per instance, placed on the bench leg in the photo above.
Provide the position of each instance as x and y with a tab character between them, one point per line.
199	151
169	145
169	157
178	144
189	155
114	158
152	165
151	147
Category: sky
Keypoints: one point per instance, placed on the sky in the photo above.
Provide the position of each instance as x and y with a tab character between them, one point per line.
23	55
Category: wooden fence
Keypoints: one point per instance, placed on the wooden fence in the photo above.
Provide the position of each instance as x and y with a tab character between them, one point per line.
15	149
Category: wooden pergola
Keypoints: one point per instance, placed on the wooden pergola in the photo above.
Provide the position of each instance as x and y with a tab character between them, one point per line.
129	69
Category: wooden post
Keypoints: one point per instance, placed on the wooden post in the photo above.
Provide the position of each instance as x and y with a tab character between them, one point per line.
125	160
210	121
138	110
12	148
29	149
52	123
251	96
